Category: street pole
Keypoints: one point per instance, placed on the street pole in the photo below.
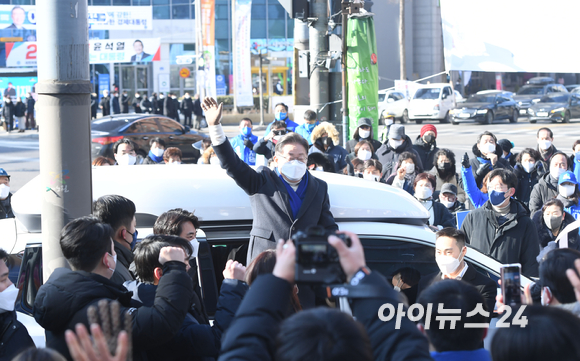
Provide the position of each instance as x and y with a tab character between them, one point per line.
319	47
198	49
260	88
345	4
64	104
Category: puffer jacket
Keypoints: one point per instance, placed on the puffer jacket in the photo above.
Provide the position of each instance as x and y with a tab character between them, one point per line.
389	157
547	238
477	162
14	337
527	181
426	152
543	191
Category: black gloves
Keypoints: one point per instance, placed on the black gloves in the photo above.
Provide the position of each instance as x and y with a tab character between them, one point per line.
465	161
248	143
481	172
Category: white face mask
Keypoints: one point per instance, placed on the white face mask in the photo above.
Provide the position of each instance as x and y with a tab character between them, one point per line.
409	168
528	167
371	177
566	190
293	170
114	259
8	298
215	161
195	245
447	264
423	193
158	152
126	159
448	204
487	148
364	133
4	191
364	154
555	172
395	143
544	144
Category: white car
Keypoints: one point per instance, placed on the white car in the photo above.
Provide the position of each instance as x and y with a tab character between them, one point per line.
390	222
432	102
393	103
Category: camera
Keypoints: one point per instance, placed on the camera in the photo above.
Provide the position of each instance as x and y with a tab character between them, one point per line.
317	262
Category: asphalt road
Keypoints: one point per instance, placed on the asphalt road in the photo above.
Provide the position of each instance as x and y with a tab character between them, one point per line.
19	153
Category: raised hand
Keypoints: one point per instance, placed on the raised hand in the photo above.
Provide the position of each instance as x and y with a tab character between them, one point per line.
213	111
465	161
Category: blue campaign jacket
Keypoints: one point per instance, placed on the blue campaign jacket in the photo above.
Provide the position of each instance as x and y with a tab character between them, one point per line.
246	154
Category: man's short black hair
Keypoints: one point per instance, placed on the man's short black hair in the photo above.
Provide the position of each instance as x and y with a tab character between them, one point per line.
486	133
146	254
562	154
138	41
170	222
115	210
546	129
125	141
84	241
507	177
278	124
450	232
157	140
246	120
282	104
529	151
322	334
291	138
6	258
553	273
457	295
310	115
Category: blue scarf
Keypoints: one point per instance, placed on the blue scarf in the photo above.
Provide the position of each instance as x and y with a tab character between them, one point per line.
155	158
296	197
483	160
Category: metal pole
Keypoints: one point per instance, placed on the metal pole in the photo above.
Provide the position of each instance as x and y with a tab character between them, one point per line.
261	91
343	68
319	49
198	48
234	54
64	101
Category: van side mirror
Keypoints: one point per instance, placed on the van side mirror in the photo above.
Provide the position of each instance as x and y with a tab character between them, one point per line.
30	277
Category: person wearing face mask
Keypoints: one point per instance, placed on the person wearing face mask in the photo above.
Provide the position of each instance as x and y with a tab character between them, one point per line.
406	281
8	114
266	145
285	199
488	156
363	151
528	169
281	114
310	122
550	221
506	147
444	172
115	104
501	228
407	170
325	138
14	337
439	215
545	140
172	156
547	187
119	213
390	151
364	131
63	301
209	157
450	250
157	147
5	196
568	193
372	169
243	143
426	145
448	197
105	104
575	158
125	152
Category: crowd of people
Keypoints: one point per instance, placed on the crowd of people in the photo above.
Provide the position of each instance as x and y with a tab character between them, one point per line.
522	208
21	113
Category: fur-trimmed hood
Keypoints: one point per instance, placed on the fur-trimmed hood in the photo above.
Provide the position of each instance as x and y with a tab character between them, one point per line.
328	128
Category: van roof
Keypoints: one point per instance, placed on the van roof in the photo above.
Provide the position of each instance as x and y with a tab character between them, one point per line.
214	196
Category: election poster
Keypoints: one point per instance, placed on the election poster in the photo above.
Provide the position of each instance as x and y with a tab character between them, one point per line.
242	55
206	66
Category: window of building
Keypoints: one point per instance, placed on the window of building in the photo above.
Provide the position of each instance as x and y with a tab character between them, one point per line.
180	11
122	2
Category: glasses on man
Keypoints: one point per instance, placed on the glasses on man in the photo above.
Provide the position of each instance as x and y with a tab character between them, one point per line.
302	159
280	132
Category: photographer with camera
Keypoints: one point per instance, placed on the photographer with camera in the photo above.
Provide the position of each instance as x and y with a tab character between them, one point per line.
260	332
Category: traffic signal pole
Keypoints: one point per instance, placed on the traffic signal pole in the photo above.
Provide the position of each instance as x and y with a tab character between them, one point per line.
64	113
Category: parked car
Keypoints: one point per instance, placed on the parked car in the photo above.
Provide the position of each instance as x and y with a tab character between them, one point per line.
393	104
528	95
486	107
432	102
556	107
140	128
572	87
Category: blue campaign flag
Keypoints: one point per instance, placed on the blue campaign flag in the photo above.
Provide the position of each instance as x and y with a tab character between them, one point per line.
461	217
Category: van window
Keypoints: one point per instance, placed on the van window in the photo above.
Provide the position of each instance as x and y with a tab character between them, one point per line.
427	93
447	91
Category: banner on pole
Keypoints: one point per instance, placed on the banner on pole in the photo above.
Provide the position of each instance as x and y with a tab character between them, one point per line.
207	65
242	55
362	72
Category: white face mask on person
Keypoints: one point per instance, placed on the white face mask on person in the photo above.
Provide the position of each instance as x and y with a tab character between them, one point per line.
364	154
4	191
293	170
556	172
528	166
423	193
371	177
158	152
115	260
409	168
395	143
126	159
447	204
566	190
487	148
447	264
8	298
364	133
195	245
544	144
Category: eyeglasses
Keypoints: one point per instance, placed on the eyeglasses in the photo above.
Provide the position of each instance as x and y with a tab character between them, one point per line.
302	159
280	132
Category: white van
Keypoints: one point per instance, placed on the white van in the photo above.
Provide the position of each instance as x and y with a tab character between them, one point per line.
432	102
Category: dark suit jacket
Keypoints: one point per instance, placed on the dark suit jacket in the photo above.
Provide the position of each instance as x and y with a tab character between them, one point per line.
485	285
143	56
270	202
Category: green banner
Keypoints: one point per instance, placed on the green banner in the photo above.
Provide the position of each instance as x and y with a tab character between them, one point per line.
362	73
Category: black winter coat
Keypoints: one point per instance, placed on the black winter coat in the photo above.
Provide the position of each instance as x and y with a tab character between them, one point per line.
8	111
106	105
546	236
168	107
353	142
124	104
137	105
197	339
426	152
265	148
115	105
62	302
19	109
475	163
543	191
197	110
442	216
515	241
160	105
6	207
389	157
14	337
124	260
94	106
252	335
30	104
186	106
527	181
147	106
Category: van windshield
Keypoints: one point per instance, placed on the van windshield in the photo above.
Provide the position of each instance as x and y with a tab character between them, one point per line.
427	93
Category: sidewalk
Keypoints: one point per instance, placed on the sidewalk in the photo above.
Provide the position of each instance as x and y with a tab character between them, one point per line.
28	134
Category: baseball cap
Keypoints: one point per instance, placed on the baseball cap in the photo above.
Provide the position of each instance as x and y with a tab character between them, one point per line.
365	121
3	173
396	131
567	177
449	188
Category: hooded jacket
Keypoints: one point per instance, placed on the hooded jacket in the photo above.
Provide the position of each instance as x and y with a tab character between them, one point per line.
14	337
389	157
547	238
63	300
426	152
354	141
515	241
543	191
476	163
527	181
